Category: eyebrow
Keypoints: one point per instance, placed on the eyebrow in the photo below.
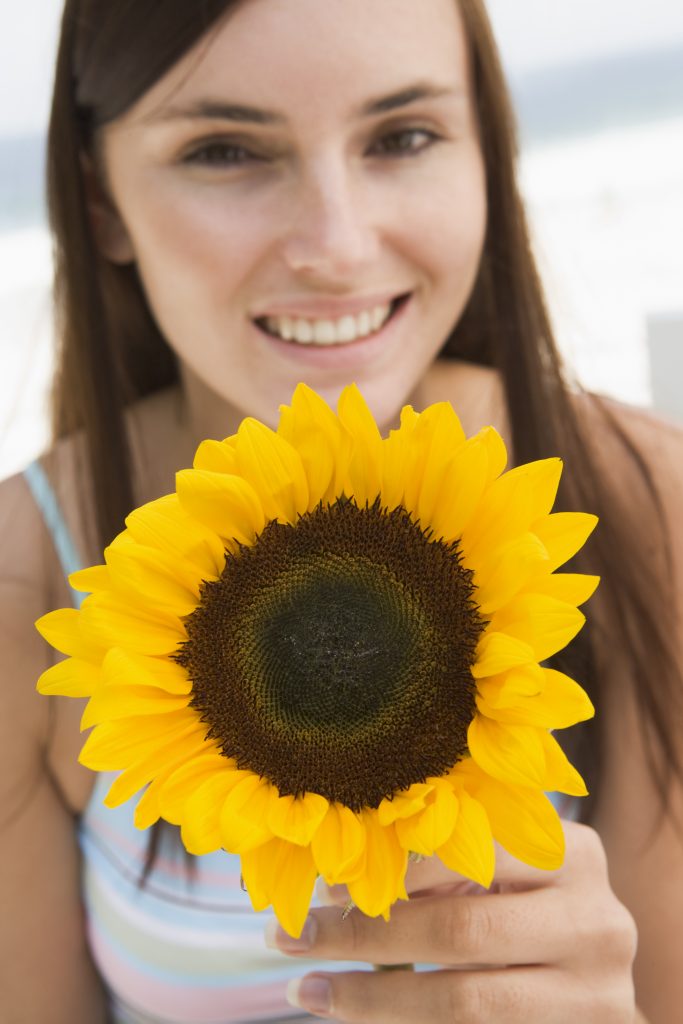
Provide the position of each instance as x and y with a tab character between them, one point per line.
220	110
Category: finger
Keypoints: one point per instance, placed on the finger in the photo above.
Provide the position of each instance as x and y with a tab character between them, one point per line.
445	929
510	875
516	996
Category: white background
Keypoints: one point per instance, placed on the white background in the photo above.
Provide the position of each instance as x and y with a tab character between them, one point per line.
531	33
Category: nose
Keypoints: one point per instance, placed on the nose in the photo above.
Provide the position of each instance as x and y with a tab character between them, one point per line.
331	232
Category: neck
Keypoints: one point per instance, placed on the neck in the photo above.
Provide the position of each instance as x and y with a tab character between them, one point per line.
207	415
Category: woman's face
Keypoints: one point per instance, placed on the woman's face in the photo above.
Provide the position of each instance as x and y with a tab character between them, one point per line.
304	196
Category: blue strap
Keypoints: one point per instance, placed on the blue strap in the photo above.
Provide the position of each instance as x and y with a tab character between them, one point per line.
45	499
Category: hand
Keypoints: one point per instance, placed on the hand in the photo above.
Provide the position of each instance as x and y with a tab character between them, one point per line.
537	948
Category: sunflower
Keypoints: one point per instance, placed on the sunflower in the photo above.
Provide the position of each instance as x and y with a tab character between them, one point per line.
324	652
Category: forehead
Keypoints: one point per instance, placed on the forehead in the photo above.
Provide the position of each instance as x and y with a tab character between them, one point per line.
308	55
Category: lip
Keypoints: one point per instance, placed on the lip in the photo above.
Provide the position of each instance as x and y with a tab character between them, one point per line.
327	309
352	354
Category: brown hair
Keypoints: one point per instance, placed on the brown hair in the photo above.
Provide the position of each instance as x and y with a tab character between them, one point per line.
111	351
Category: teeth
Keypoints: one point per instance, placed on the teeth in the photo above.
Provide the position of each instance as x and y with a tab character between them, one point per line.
303	331
329	332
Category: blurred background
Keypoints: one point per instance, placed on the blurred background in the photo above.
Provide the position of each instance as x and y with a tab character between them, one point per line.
598	86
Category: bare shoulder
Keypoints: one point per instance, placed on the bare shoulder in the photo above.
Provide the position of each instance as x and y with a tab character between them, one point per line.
25	557
632	443
39	735
658	437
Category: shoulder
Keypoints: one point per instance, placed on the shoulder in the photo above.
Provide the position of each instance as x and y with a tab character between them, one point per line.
657	439
39	736
26	576
640	454
26	552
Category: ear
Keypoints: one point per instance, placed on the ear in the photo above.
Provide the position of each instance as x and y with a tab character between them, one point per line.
110	234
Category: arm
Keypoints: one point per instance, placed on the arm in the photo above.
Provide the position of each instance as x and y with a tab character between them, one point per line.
645	853
45	970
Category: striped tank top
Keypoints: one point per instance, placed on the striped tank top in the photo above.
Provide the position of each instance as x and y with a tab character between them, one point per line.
184	948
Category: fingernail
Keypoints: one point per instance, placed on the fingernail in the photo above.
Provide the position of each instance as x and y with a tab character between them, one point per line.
312	993
277	938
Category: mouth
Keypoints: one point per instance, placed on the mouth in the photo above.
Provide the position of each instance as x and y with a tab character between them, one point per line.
328	333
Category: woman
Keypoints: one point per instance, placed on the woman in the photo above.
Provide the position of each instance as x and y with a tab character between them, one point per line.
244	195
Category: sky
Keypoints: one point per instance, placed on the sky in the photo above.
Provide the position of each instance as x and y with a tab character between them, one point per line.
531	33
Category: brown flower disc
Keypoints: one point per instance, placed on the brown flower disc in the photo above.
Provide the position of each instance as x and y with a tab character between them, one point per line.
334	656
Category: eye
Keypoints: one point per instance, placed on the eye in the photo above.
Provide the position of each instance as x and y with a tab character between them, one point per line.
220	153
405	142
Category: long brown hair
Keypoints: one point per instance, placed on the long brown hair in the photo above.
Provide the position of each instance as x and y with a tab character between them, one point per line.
111	351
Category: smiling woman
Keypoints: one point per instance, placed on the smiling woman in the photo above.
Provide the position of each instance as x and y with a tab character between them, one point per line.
331	196
245	196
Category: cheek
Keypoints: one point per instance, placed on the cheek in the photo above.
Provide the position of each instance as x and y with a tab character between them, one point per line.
443	220
199	245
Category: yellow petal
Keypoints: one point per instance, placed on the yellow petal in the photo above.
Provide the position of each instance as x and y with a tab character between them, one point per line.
121	668
559	704
523	820
199	828
244	814
147	810
112	702
430	828
227	504
561	776
498	652
154	578
435	439
469	849
63	630
382	880
70	678
274	469
257	873
113	746
160	763
512	504
511	753
165	525
408	419
113	625
296	819
398	454
543	623
292	886
504	690
96	577
563	534
364	474
496	452
465	478
339	844
283	874
502	573
312	428
404	804
184	780
572	588
217	457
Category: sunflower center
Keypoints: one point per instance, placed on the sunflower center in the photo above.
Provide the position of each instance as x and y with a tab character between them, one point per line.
335	655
